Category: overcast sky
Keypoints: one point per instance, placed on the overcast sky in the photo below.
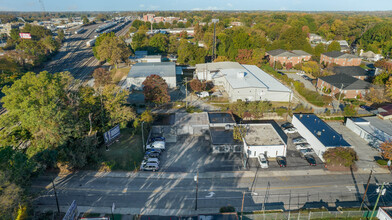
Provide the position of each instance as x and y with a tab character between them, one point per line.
145	5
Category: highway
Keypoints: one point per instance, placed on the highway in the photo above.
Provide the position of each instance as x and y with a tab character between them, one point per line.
75	56
178	193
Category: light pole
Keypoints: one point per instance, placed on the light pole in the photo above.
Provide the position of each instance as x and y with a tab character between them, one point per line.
144	148
196	179
55	195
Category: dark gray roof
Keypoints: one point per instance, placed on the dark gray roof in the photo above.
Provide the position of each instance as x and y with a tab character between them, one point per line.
164	69
350	70
338	54
220	136
348	82
329	137
221	118
276	52
164	119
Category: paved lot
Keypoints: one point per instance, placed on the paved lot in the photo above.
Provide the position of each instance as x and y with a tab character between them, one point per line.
307	83
365	153
193	153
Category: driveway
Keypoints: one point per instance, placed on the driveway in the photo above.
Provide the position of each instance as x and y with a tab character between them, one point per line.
365	153
307	83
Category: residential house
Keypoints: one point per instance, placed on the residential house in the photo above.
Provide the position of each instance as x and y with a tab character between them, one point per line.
354	71
370	56
284	56
340	58
344	46
319	134
341	83
244	82
385	112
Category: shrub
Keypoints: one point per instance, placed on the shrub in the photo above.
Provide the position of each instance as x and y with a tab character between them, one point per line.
382	162
226	209
340	156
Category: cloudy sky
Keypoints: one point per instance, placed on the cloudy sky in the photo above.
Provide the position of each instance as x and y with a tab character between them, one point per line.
145	5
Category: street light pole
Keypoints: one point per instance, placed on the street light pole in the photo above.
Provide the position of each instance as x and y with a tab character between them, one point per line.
55	195
144	148
196	178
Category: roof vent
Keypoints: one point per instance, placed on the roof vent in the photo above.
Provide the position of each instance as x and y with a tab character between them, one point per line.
323	130
308	116
300	116
319	133
241	74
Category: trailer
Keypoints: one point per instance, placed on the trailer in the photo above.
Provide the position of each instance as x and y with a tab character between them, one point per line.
105	26
79	31
91	42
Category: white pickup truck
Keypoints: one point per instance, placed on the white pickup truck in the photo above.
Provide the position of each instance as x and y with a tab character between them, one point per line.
157	145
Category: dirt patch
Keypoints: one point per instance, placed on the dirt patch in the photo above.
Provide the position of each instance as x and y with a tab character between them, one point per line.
119	74
335	168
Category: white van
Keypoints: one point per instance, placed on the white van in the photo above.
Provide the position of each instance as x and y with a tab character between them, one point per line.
157	145
150	167
262	161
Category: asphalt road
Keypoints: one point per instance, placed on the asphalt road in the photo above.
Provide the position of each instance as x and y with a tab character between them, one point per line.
275	192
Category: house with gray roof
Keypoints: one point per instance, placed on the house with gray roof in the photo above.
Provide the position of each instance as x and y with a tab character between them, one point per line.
285	57
340	58
341	83
244	82
139	72
354	71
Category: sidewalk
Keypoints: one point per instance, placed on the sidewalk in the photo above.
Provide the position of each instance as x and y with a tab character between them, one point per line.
220	175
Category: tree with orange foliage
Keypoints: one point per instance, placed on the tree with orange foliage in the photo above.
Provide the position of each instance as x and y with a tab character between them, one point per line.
386	148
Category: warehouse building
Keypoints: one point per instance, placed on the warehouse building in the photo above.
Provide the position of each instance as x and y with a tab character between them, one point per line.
140	71
319	134
244	82
373	130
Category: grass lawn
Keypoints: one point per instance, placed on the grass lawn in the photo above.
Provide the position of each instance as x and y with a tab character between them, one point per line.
118	74
125	153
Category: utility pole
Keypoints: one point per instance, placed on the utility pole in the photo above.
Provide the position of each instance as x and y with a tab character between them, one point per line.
144	146
55	195
196	178
186	93
340	95
242	206
367	187
214	40
378	197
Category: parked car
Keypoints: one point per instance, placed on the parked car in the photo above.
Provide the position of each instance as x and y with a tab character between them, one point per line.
202	94
157	145
150	167
154	150
150	154
153	139
302	146
305	151
150	160
281	161
299	140
287	125
367	108
262	161
291	130
306	77
311	160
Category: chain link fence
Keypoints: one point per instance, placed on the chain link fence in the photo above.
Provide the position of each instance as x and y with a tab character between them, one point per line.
308	215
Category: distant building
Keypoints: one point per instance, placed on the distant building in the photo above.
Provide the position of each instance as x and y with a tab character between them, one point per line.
385	112
354	71
6	28
314	38
371	56
372	129
236	23
340	58
159	19
319	134
341	83
284	56
344	46
148	17
140	71
244	82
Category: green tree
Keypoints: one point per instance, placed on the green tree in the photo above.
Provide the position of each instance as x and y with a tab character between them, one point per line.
85	20
159	43
340	156
113	50
350	110
319	49
333	46
60	34
155	89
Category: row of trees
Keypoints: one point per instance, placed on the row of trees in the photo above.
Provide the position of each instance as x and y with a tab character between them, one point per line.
110	48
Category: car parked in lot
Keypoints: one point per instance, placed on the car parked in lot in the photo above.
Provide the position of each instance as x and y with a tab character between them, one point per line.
291	130
299	140
202	94
287	125
306	77
149	167
281	161
150	160
305	151
157	145
302	146
262	161
153	139
154	150
311	160
150	154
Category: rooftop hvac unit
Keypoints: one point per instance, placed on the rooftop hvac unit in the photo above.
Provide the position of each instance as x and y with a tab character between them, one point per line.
241	74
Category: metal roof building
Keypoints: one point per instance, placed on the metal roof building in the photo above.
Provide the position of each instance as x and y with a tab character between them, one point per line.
139	72
319	134
244	82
